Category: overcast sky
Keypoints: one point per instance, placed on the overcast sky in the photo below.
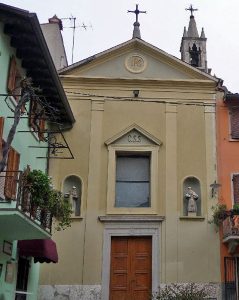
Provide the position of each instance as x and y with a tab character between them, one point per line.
162	26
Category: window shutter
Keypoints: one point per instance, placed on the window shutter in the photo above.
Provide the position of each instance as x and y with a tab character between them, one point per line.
235	180
1	133
234	116
11	176
31	114
36	119
41	129
12	73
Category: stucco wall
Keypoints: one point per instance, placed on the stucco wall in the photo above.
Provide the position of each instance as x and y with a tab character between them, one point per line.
21	142
177	110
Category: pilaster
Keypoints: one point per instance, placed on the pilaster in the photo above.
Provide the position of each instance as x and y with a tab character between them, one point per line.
171	205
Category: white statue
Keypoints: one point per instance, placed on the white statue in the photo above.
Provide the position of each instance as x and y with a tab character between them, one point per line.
191	196
74	198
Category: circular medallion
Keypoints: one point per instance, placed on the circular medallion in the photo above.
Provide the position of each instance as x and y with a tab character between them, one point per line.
135	63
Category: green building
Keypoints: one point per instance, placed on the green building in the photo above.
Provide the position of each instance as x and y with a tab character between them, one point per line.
24	53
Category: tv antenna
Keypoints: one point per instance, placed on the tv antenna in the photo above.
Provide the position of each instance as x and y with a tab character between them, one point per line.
73	26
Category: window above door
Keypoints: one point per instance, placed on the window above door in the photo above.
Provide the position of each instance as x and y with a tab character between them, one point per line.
132	185
132	172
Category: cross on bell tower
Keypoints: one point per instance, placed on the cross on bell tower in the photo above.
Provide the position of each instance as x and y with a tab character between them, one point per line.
193	47
136	32
191	9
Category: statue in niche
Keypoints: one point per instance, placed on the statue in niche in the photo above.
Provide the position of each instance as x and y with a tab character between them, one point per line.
192	197
73	198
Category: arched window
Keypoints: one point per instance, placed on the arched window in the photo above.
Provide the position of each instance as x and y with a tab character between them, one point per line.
195	55
72	189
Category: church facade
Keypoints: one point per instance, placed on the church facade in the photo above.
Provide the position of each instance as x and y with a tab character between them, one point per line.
144	147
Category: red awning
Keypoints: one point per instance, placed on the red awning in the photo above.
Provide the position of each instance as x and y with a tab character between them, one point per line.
41	250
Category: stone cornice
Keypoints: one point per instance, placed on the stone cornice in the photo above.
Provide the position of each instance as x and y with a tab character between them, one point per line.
146	82
129	219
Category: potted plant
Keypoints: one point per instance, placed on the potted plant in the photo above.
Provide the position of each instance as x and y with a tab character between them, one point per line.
39	185
236	209
60	208
44	197
219	214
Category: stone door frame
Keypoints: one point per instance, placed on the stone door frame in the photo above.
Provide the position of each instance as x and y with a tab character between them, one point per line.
129	229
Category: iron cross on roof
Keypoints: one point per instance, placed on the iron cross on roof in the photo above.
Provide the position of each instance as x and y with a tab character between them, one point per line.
137	12
191	9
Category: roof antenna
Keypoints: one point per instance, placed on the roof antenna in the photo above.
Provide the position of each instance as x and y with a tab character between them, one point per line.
73	27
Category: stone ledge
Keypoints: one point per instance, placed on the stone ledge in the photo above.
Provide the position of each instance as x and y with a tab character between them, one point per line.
197	218
128	219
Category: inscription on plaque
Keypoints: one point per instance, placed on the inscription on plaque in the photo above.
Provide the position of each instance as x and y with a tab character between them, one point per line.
135	63
134	138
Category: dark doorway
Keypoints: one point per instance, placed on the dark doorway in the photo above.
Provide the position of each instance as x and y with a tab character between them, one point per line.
22	278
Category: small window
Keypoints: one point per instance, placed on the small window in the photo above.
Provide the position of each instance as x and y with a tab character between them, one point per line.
235	182
234	122
132	180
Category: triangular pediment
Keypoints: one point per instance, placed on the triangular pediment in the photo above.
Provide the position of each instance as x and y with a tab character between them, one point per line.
135	59
133	135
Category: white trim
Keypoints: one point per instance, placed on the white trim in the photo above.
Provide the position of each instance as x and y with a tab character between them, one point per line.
135	229
23	293
130	218
111	209
136	127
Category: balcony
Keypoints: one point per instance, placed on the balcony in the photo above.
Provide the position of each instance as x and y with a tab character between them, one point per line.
230	228
19	217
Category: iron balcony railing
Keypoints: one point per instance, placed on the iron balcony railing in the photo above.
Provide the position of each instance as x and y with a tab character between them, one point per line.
13	187
230	226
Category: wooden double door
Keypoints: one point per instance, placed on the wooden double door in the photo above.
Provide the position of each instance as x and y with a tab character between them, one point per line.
131	268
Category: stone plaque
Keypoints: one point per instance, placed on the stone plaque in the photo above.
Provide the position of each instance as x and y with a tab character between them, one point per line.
134	137
135	63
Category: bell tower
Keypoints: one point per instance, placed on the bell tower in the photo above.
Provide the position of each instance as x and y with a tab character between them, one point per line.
193	48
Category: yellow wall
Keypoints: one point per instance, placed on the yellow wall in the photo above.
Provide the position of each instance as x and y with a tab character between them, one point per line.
189	247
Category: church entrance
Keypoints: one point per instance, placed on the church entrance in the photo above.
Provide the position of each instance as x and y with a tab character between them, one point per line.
131	268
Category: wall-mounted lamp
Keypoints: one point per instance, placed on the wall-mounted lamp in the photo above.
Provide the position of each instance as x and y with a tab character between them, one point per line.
215	186
136	93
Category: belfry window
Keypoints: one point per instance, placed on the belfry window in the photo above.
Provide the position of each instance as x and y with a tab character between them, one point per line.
194	55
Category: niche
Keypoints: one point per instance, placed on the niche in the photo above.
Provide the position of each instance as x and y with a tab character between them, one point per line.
192	203
72	192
